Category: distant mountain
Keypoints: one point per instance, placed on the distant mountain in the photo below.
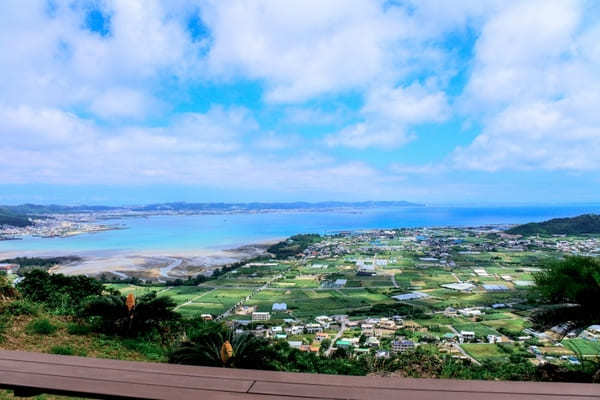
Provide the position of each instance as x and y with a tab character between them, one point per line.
270	206
18	215
583	224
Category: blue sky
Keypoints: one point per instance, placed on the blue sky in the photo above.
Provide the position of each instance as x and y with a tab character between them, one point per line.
138	101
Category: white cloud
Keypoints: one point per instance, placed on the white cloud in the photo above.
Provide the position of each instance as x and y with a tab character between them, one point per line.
388	113
304	48
535	83
51	59
123	103
363	135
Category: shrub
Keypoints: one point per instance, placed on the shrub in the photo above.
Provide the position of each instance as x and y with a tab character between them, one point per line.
22	307
78	329
65	350
57	291
41	327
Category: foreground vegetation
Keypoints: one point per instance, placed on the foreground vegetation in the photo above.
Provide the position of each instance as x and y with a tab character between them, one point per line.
82	316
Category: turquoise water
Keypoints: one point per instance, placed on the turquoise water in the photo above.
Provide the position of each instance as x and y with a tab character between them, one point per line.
225	231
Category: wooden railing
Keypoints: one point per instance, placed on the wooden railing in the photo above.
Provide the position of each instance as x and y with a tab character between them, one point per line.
33	373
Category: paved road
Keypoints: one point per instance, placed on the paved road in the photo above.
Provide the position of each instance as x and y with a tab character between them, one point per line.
462	351
335	339
190	301
394	281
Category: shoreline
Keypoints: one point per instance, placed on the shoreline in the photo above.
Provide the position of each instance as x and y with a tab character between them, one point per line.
157	265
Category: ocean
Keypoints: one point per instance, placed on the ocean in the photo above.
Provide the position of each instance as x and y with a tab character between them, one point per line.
193	232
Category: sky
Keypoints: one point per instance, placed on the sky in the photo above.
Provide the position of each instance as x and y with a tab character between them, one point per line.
441	102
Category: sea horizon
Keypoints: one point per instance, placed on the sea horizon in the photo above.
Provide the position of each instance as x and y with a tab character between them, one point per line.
178	234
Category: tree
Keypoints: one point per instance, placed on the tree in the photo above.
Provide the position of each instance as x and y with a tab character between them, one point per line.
574	281
57	290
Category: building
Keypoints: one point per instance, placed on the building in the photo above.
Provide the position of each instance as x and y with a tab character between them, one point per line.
313	328
461	287
339	283
495	288
261	316
402	345
367	329
320	336
494	339
279	307
467	336
206	317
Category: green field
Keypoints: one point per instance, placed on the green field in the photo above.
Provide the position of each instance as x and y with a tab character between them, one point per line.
582	346
486	351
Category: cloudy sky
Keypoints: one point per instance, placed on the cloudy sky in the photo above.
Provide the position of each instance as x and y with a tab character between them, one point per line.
470	101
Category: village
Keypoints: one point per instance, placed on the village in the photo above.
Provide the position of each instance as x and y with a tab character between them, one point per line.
456	291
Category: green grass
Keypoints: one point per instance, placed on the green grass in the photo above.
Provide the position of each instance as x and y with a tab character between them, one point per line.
481	331
485	351
41	326
585	347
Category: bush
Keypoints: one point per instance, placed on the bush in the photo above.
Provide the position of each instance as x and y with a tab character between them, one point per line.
63	350
57	291
109	314
78	329
22	307
41	327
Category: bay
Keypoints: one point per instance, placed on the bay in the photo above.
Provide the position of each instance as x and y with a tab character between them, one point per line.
192	232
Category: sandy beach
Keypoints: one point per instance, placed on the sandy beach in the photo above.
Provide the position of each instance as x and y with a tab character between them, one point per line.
157	265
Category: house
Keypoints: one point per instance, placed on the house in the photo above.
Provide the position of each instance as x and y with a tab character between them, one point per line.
386	323
402	345
295	344
343	344
382	332
339	283
261	316
295	330
592	333
206	317
367	329
313	328
494	339
276	329
279	307
320	336
324	321
372	342
450	312
467	336
470	312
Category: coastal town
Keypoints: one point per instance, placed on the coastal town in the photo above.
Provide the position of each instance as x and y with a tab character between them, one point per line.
462	292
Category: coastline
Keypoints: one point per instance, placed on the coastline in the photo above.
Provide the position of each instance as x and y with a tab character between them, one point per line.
158	264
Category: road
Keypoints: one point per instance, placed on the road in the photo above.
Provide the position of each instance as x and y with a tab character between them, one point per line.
190	301
335	339
394	281
247	298
462	351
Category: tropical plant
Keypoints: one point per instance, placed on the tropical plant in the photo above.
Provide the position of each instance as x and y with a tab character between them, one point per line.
214	344
112	314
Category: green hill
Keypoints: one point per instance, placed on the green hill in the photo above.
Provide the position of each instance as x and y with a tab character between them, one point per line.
583	224
9	218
